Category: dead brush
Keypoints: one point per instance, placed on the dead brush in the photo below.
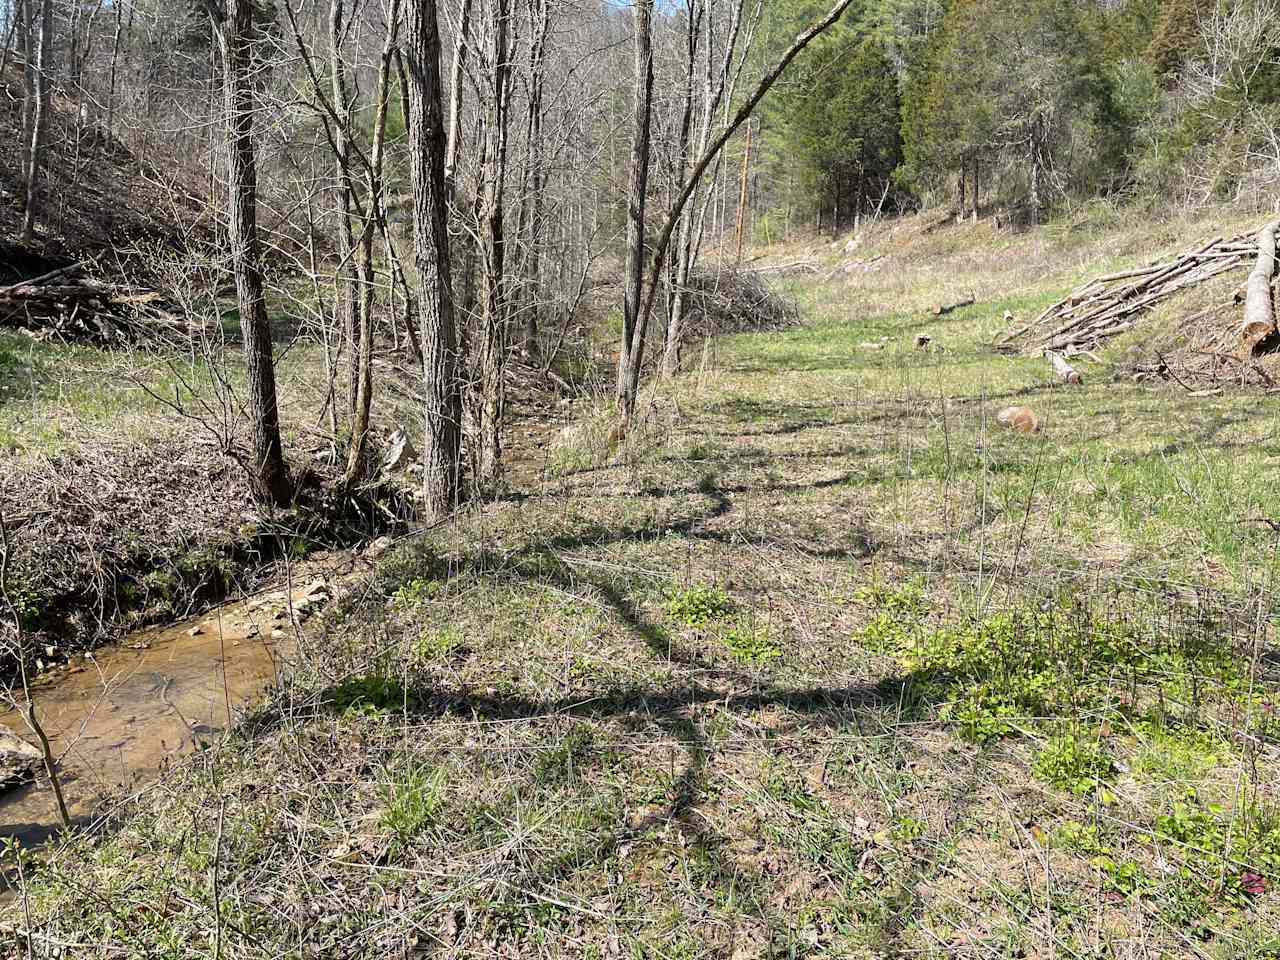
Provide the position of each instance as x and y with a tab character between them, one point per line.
736	301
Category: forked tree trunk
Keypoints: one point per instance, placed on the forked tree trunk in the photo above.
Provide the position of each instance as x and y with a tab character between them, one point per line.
269	474
633	321
492	346
442	440
364	258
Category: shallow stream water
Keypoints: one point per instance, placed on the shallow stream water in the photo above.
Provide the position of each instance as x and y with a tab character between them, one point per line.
116	716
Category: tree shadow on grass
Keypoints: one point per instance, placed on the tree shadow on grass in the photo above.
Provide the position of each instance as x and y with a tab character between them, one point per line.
674	709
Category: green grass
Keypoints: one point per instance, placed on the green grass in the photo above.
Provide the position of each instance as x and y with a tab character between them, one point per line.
823	663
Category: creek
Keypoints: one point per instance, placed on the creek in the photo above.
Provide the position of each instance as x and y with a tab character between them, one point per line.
116	716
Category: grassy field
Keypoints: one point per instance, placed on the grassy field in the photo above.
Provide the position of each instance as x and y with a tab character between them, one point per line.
822	662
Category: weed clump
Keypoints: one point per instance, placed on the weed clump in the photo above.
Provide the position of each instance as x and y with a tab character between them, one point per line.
413	797
750	643
370	696
1074	762
699	606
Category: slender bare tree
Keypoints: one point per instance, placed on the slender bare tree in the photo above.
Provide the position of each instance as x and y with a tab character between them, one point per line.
39	117
631	354
235	29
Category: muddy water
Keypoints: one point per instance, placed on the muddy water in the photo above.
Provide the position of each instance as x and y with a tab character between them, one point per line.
116	717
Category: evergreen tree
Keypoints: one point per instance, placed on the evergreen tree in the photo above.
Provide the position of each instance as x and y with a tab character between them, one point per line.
841	121
1021	91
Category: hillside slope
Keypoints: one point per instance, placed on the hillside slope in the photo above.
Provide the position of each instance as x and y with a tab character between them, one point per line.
98	201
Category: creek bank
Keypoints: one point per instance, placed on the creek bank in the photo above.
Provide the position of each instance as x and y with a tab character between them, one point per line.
115	537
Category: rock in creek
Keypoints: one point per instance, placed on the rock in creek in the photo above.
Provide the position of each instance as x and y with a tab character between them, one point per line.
18	760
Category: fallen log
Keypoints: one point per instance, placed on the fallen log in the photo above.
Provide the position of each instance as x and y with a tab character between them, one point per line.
1259	309
1064	370
941	309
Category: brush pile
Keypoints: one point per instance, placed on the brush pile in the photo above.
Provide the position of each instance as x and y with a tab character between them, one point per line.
1112	304
67	303
735	301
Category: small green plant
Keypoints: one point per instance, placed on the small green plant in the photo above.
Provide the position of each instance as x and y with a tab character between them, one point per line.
699	606
700	450
908	828
413	798
750	643
1073	762
903	599
414	593
1123	876
368	696
437	644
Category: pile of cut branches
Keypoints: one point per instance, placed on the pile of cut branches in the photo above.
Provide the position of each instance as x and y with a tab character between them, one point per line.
736	301
67	303
1112	304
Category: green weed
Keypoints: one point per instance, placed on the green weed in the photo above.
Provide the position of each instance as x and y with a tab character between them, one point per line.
413	798
1073	762
437	644
750	643
367	696
699	606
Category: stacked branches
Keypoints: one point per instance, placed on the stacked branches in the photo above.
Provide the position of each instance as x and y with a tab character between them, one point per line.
735	301
1112	304
67	303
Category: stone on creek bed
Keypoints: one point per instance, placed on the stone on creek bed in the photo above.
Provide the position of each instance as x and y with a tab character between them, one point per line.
19	760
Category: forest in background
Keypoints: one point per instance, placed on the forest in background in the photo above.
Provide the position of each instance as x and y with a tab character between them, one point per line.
1023	108
547	196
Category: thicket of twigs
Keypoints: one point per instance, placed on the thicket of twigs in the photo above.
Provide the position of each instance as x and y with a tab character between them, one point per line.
736	301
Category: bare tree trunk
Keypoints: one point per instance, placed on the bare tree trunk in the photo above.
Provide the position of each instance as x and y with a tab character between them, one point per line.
492	347
530	225
742	197
633	325
679	274
23	16
117	10
345	280
442	444
39	118
269	474
373	207
460	45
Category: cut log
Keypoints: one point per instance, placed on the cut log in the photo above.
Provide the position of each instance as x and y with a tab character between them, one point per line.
1019	419
1259	309
1066	371
944	308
